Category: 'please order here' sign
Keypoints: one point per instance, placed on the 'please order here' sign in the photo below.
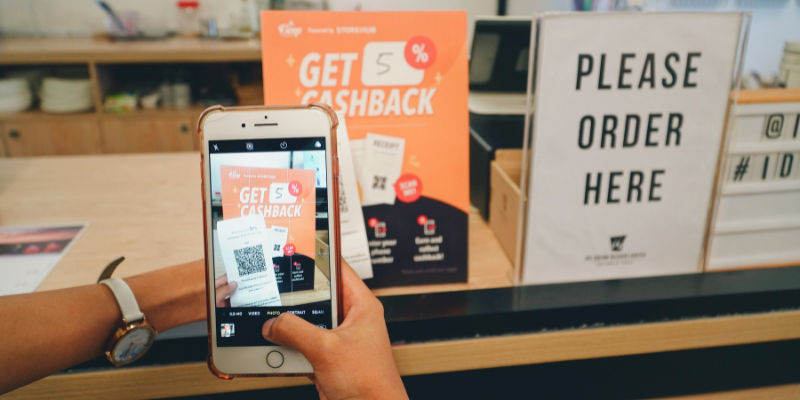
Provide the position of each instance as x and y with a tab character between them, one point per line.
627	131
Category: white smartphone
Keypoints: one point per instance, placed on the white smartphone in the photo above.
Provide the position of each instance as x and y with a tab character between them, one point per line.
271	215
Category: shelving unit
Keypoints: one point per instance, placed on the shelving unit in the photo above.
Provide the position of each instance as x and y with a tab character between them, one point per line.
36	133
758	218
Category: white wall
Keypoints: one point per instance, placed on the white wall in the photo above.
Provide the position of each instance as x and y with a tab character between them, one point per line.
84	17
774	22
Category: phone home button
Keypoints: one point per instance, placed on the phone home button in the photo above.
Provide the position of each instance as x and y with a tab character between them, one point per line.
275	359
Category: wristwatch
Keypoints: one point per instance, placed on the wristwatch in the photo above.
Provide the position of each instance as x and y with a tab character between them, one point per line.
135	336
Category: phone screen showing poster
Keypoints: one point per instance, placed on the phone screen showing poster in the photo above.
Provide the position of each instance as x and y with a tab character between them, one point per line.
269	218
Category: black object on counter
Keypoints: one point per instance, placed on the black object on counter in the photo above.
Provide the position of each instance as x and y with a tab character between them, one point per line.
488	133
497	83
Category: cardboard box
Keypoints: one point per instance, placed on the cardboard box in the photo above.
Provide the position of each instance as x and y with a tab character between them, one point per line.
505	195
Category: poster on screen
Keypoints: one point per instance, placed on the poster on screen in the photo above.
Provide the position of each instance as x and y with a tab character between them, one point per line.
628	129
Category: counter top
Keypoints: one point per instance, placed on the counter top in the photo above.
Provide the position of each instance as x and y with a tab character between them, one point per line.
147	208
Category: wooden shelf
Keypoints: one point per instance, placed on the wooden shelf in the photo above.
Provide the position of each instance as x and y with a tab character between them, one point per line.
156	112
39	116
768	96
101	51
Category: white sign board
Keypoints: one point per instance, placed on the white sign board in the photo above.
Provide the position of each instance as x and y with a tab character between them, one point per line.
628	123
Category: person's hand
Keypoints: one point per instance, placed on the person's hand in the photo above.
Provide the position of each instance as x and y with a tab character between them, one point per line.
224	289
352	361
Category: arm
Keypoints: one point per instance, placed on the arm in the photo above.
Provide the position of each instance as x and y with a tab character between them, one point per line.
46	332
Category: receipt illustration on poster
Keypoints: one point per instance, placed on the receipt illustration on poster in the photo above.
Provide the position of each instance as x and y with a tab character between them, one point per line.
400	80
383	163
245	244
354	235
279	235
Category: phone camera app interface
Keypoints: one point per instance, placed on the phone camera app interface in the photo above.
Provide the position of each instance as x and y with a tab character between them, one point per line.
269	212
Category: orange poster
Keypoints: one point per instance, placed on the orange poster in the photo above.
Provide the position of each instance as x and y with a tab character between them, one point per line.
284	197
400	81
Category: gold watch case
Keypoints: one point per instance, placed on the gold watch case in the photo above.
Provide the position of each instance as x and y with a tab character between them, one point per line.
124	331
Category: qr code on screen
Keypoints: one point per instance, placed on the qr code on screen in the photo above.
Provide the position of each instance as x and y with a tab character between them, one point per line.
250	260
342	198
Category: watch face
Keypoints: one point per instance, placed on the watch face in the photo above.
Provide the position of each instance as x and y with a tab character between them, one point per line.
133	345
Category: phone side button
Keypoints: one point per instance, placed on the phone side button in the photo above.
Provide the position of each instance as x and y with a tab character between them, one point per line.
275	359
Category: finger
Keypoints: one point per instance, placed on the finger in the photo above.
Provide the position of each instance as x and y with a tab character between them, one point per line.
292	331
221	281
224	292
354	290
313	380
321	393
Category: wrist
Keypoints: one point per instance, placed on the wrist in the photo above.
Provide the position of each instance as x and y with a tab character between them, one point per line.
171	296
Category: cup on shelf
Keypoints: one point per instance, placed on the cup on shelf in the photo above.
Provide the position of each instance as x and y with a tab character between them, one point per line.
150	101
181	95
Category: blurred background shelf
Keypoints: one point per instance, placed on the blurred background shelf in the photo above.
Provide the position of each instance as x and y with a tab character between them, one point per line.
212	72
15	51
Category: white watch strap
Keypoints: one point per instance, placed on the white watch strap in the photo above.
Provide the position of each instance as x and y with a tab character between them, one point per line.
127	302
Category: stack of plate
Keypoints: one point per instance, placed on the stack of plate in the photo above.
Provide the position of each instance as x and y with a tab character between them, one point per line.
790	65
15	95
65	95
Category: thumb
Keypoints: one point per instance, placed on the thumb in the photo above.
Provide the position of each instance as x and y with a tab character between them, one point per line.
292	331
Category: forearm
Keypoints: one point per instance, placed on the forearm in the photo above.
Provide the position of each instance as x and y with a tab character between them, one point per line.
43	333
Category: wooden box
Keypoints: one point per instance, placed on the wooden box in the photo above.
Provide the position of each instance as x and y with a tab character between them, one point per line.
505	195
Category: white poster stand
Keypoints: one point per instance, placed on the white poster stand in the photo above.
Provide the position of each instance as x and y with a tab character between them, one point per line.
626	139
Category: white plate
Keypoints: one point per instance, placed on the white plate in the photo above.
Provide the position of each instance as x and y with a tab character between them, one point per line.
13	86
14	108
65	110
65	83
15	103
61	92
66	103
65	99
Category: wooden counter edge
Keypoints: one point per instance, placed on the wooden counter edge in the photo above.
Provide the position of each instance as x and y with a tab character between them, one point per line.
778	95
446	356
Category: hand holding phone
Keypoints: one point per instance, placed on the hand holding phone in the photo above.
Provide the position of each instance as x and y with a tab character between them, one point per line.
271	214
352	361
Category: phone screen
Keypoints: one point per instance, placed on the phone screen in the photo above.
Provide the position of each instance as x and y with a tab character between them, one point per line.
269	218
